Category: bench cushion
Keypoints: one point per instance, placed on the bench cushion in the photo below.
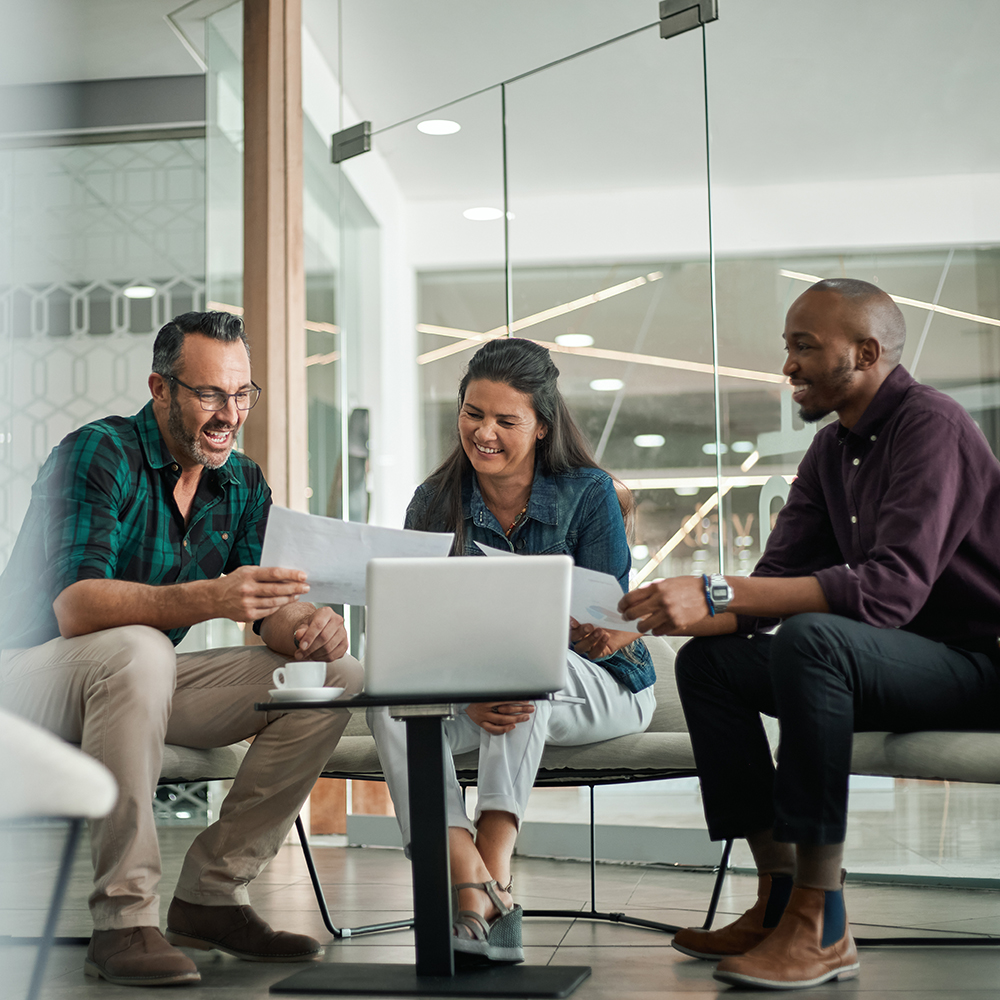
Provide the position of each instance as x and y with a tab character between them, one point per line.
182	764
663	750
944	756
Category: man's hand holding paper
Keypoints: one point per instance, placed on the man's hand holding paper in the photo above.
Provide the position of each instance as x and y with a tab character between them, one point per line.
334	554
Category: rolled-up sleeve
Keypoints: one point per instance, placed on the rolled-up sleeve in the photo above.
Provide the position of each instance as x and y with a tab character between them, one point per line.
81	496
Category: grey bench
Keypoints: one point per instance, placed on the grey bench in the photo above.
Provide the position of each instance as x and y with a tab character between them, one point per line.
662	751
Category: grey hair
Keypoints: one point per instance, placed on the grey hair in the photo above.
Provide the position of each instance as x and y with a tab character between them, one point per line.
221	326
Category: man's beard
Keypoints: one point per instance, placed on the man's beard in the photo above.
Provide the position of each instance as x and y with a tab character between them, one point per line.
833	383
188	441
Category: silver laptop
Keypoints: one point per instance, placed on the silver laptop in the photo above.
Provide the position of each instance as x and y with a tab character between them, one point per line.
466	628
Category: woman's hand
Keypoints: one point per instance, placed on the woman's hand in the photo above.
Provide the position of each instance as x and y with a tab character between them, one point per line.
597	643
500	717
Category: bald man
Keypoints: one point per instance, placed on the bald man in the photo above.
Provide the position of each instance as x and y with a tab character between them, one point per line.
884	570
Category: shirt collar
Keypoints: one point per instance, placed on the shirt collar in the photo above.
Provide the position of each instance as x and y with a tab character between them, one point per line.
155	448
541	503
885	402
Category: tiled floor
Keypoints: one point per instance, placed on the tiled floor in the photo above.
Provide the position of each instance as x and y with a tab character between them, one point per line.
366	884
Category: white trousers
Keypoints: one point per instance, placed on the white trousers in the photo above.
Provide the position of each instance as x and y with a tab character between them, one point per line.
508	763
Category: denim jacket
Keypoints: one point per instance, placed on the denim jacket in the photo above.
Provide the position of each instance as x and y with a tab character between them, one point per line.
575	512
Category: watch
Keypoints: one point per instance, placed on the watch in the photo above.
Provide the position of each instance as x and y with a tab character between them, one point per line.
718	593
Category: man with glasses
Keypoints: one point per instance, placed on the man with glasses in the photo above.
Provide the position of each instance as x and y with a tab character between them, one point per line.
138	528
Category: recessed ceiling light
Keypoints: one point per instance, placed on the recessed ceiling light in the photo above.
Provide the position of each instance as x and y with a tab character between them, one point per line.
709	448
640	551
138	292
686	491
438	126
742	447
575	340
649	440
483	214
606	384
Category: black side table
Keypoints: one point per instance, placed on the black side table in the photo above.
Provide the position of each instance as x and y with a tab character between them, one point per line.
434	973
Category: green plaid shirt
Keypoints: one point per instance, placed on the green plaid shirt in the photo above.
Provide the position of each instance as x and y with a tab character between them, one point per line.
103	508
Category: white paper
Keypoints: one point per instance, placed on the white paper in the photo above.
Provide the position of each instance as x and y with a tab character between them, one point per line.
594	596
488	550
334	554
594	600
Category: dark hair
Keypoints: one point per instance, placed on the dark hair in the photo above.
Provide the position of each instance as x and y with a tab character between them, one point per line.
215	325
882	318
528	368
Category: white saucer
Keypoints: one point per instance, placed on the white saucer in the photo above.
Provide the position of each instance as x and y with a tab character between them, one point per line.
305	694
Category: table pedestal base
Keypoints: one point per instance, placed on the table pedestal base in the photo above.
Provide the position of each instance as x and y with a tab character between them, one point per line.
366	979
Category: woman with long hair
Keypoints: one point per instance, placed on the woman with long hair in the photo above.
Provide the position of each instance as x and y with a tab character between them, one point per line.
521	478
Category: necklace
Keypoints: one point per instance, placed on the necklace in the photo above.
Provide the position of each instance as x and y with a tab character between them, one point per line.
517	520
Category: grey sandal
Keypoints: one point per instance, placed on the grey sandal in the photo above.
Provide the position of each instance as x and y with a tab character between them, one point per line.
498	940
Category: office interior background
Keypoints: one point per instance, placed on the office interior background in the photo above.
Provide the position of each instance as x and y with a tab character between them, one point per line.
648	208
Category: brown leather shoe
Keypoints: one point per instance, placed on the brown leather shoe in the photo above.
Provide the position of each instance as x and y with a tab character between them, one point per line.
745	932
794	956
137	956
238	931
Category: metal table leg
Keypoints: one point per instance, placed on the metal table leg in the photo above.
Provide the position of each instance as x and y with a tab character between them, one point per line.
434	973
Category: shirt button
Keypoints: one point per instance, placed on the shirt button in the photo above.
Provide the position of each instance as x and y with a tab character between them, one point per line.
225	536
857	461
185	543
519	544
854	520
174	467
873	437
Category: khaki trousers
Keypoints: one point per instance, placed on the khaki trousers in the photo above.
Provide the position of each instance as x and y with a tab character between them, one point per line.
121	694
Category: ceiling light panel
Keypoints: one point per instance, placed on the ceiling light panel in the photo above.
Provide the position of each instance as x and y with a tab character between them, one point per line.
649	440
483	214
438	126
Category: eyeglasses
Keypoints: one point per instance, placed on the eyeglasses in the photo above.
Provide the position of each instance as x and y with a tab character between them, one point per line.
213	399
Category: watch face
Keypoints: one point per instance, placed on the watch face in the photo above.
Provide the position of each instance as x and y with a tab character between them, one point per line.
721	591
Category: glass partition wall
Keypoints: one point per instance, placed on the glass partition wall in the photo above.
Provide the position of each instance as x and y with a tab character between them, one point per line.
572	206
857	148
535	215
607	264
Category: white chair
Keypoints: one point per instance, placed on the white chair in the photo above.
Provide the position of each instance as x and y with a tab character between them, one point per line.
43	777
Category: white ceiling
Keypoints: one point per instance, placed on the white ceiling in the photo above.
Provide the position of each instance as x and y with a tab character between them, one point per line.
798	89
817	89
54	41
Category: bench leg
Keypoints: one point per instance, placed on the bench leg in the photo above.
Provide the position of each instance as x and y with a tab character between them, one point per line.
593	913
338	932
717	888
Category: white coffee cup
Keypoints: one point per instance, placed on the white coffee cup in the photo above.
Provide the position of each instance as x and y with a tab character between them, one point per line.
300	674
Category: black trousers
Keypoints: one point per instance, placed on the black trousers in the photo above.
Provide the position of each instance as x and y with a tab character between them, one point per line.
825	678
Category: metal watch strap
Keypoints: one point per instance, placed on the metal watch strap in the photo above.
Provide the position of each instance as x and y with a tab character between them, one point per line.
720	593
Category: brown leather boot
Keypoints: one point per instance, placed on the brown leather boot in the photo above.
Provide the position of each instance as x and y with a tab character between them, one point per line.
137	956
745	932
238	931
811	945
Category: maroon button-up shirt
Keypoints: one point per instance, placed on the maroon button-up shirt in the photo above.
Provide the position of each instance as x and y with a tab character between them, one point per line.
899	519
